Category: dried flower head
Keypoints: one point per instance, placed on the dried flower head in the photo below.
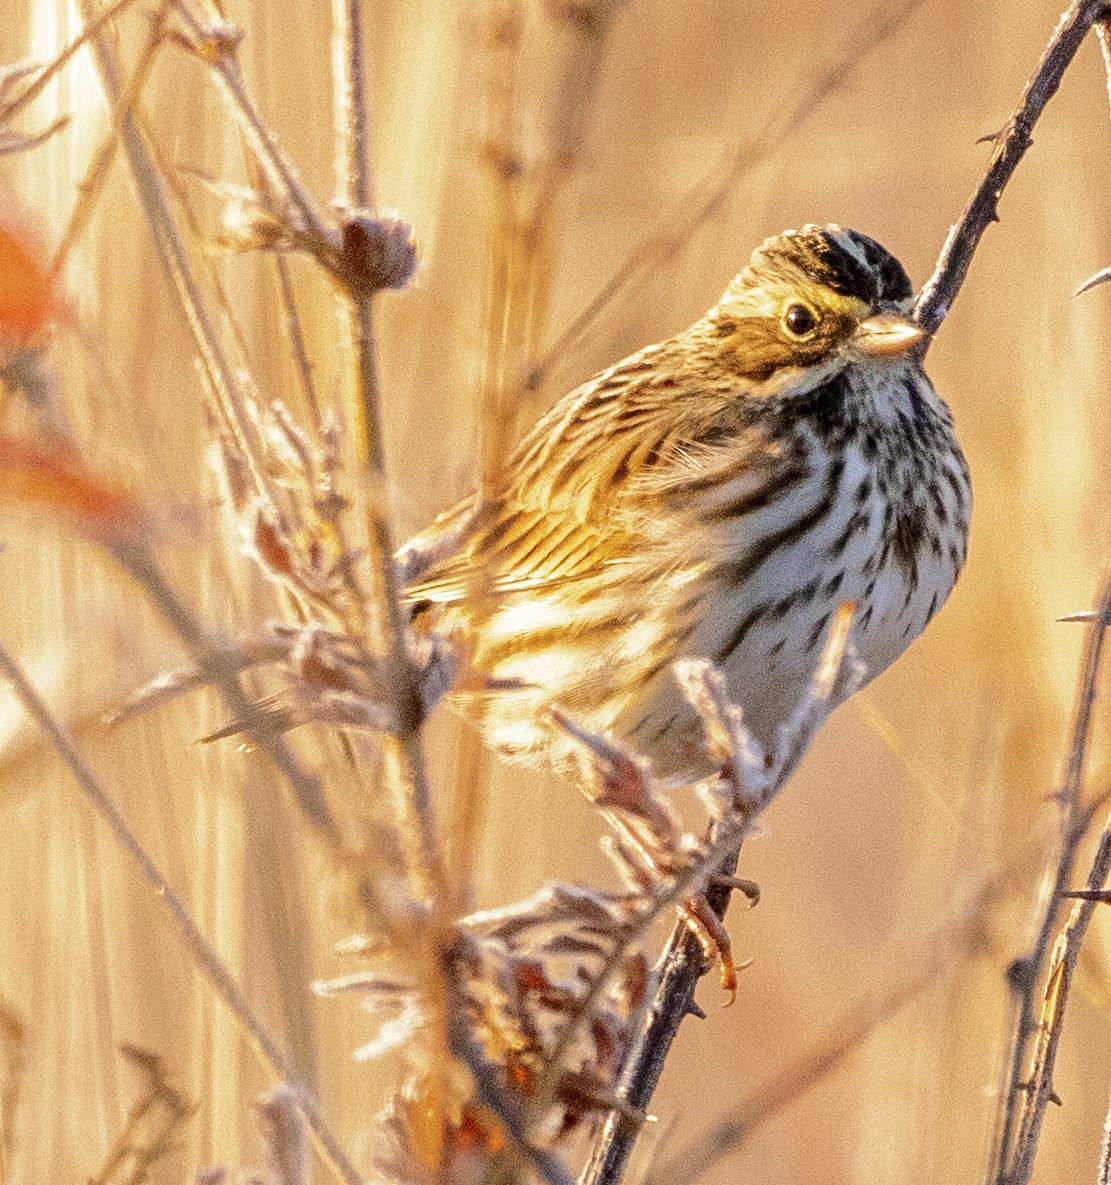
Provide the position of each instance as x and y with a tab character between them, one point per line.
377	252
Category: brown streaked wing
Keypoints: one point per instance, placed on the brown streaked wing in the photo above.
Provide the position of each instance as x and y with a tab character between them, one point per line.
556	519
523	548
575	486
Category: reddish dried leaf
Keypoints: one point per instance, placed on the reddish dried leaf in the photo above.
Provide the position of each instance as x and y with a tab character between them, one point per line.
479	1128
271	548
530	976
312	664
28	301
59	479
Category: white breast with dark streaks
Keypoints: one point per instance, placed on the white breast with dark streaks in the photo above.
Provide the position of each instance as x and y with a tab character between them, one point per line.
878	519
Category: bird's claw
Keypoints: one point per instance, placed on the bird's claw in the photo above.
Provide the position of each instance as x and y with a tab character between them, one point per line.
710	931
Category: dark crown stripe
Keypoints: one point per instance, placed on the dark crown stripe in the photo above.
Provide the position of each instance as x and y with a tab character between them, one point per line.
817	251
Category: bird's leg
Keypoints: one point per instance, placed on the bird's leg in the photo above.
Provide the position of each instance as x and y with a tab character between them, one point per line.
714	938
649	839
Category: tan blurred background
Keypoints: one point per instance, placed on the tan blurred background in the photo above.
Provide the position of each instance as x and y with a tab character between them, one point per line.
905	804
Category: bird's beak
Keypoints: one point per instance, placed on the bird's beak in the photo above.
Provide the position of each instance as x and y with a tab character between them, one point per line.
887	333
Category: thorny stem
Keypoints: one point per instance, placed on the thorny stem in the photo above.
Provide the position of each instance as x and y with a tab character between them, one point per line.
721	853
1039	1092
681	965
964	933
1019	1102
207	961
726	842
684	961
1011	142
1103	1173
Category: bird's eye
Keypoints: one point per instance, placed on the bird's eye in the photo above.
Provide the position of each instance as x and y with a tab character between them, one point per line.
799	320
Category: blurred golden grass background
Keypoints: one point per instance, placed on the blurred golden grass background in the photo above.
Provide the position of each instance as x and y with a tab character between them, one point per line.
915	791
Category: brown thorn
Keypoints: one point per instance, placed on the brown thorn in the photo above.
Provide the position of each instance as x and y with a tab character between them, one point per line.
1101	896
748	888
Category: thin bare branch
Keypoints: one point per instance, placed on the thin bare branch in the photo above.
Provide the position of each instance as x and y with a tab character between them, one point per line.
15	142
46	75
1027	971
297	339
1011	142
1070	792
90	186
150	1130
1038	1088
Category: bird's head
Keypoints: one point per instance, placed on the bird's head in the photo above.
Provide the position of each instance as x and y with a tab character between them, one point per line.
820	297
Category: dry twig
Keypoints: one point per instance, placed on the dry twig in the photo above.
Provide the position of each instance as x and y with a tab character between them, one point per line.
283	1134
361	229
151	1127
204	958
1011	142
1033	1043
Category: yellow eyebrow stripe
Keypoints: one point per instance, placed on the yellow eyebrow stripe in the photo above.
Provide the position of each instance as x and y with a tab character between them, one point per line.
770	301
